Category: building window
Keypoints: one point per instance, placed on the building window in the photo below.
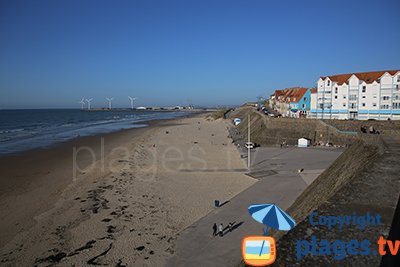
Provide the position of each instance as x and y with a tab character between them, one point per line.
344	105
374	104
303	106
385	97
363	96
344	96
329	83
305	99
353	97
336	90
335	96
384	106
398	79
363	104
374	95
364	88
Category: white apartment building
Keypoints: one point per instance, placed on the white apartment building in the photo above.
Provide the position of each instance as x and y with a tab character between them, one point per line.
363	96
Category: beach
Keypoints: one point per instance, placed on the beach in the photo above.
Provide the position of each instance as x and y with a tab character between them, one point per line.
117	199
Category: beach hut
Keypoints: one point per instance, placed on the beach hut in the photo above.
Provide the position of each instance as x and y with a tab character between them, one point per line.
303	142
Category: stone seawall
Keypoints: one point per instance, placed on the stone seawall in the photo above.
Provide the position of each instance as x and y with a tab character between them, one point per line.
365	178
274	131
385	127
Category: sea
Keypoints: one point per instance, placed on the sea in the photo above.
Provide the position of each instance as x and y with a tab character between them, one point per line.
25	129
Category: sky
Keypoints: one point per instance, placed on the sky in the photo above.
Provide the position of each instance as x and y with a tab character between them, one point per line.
207	53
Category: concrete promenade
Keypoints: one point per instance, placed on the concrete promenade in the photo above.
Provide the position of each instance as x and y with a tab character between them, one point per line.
279	183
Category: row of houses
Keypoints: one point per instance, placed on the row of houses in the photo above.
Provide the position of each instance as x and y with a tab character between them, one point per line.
363	95
292	102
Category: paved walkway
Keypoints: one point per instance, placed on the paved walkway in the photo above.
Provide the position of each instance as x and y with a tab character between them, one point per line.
279	183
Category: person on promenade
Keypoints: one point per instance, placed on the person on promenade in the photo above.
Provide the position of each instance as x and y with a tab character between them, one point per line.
230	227
221	230
214	229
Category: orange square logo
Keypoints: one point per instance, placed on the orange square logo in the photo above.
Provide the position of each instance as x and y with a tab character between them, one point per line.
259	250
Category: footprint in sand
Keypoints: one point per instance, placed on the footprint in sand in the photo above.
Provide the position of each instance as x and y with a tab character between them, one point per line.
111	229
140	248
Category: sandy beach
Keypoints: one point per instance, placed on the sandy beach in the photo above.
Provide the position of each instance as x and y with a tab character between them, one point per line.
120	199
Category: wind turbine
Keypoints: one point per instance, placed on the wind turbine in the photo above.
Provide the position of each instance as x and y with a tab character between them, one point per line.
132	99
109	99
88	102
82	102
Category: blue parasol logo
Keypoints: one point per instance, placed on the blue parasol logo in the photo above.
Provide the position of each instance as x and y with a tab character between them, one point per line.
272	217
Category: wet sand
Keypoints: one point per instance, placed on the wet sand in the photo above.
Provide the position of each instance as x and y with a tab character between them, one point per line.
125	208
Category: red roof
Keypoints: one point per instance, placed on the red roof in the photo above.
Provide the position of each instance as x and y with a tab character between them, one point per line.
291	94
368	77
278	93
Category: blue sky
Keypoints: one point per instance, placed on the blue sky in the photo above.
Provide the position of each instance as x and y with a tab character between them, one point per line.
220	52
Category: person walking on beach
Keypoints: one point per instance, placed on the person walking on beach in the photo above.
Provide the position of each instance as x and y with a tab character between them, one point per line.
214	229
221	230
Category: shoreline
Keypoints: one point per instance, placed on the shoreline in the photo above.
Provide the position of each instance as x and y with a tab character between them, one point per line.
29	170
146	123
148	199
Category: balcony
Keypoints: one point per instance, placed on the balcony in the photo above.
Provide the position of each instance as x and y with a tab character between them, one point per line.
353	107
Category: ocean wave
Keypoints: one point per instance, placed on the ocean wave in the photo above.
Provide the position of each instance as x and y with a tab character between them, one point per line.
40	129
11	131
67	125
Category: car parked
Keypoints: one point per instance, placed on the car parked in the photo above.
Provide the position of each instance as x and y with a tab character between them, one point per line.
249	145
